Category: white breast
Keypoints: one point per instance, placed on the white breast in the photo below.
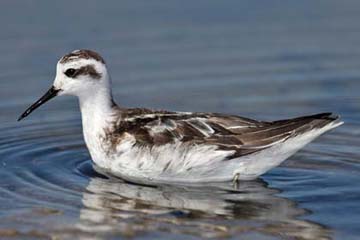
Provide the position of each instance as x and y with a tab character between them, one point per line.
174	160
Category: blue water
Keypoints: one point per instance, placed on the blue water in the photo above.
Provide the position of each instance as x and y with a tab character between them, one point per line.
261	59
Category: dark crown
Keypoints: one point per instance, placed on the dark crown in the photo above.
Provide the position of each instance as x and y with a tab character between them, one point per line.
83	53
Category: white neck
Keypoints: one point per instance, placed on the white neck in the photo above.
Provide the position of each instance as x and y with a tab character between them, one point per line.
96	107
97	112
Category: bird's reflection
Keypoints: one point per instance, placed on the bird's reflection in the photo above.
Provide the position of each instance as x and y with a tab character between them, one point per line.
113	207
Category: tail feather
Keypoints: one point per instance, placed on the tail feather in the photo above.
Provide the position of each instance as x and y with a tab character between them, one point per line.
310	128
315	121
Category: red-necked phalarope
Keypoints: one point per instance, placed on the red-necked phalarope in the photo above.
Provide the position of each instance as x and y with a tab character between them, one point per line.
145	145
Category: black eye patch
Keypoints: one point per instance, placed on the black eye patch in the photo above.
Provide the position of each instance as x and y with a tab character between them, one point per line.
85	70
70	72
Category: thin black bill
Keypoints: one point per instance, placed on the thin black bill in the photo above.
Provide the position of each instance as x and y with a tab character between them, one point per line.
52	92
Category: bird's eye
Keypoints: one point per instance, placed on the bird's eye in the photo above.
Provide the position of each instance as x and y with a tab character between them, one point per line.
70	72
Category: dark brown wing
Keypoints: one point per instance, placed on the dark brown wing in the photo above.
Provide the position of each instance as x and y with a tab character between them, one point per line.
267	134
228	132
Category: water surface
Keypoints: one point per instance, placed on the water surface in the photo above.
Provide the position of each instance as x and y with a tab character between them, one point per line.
261	59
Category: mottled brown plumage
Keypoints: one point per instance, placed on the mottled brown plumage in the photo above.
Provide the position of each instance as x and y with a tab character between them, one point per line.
227	132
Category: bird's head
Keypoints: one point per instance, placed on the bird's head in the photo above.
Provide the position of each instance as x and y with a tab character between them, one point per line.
81	73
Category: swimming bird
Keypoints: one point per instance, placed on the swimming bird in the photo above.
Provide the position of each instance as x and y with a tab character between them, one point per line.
144	145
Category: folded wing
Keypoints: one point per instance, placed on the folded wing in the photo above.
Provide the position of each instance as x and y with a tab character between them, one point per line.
228	132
